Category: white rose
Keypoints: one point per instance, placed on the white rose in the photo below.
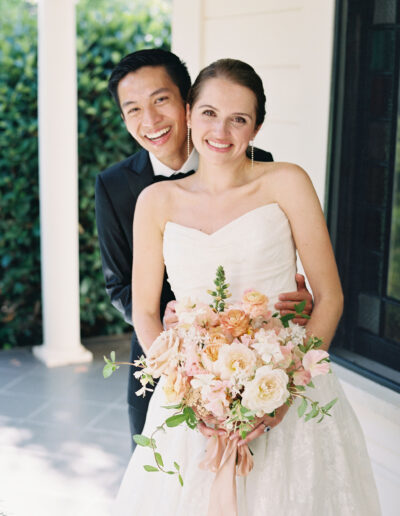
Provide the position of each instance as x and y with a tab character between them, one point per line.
267	344
235	359
267	391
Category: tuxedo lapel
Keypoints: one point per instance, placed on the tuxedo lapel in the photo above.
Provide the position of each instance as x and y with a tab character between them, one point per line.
139	172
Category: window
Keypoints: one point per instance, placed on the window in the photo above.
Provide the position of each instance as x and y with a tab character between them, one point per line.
364	186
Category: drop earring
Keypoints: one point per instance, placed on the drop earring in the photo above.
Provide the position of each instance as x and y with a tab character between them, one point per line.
188	141
252	153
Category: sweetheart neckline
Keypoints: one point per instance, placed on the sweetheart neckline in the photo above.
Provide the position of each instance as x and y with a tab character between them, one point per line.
225	225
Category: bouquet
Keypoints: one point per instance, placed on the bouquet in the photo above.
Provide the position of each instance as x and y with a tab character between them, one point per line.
230	363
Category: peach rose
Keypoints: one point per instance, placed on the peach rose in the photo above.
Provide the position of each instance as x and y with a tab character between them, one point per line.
163	351
175	387
235	321
255	303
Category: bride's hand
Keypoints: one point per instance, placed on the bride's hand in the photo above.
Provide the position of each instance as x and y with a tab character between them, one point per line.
209	431
261	423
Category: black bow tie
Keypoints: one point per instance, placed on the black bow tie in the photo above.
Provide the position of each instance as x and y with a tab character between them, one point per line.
174	176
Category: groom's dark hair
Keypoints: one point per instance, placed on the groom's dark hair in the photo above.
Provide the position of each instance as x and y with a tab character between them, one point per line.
175	68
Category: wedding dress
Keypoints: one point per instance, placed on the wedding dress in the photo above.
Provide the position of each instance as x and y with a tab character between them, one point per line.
300	468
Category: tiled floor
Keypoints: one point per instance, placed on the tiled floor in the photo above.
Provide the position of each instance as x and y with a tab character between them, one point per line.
64	434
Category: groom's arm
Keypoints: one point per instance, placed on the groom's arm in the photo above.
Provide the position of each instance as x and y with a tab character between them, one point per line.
115	252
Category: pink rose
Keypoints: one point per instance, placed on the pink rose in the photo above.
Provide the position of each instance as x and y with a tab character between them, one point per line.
207	317
287	355
218	403
312	362
192	362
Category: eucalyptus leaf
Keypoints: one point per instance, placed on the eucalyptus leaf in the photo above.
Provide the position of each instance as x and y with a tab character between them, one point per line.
329	405
300	307
175	420
142	440
302	407
108	370
159	459
151	469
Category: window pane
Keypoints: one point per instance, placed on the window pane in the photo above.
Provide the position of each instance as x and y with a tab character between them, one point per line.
378	141
385	11
375	185
381	97
392	322
382	51
393	288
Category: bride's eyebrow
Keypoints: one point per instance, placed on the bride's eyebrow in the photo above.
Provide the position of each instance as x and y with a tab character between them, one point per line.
215	109
208	106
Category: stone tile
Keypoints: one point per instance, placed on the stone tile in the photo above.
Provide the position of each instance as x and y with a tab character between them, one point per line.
117	444
115	419
32	437
100	390
70	412
20	406
8	376
45	383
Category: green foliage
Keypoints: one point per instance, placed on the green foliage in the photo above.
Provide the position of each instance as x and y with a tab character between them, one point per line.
106	31
221	291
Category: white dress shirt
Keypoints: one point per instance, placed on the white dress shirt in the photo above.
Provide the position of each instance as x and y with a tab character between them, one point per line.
160	169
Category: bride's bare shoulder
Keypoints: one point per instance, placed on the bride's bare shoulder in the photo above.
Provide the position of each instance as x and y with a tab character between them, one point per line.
155	199
284	174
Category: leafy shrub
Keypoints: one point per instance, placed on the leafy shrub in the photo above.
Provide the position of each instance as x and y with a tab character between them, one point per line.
106	31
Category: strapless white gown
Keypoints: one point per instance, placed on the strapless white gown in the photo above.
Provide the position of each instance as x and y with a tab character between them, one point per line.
300	469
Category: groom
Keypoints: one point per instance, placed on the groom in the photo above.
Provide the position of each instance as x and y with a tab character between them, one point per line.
150	88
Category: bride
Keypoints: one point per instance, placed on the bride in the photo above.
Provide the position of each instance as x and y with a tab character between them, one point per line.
250	218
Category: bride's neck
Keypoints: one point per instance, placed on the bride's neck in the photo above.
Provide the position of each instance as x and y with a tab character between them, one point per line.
217	178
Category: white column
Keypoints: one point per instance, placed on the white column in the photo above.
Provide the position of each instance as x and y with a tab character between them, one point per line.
58	178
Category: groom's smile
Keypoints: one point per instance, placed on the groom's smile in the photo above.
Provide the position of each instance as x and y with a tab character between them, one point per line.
154	113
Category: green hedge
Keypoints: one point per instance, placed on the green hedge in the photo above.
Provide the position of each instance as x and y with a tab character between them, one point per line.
106	32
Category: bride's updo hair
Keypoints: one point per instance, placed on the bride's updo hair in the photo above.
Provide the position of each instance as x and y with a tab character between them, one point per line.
237	72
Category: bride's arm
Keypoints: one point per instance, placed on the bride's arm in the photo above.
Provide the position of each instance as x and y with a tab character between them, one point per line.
297	197
147	267
293	190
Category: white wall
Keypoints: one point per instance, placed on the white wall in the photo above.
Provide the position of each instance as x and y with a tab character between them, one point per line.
289	43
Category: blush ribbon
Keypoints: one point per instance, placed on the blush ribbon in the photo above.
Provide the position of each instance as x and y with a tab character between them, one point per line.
226	459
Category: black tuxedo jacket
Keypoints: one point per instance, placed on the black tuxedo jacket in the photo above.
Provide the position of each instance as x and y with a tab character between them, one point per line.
117	190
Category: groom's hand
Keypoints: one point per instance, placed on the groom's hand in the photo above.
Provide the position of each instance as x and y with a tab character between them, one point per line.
287	301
